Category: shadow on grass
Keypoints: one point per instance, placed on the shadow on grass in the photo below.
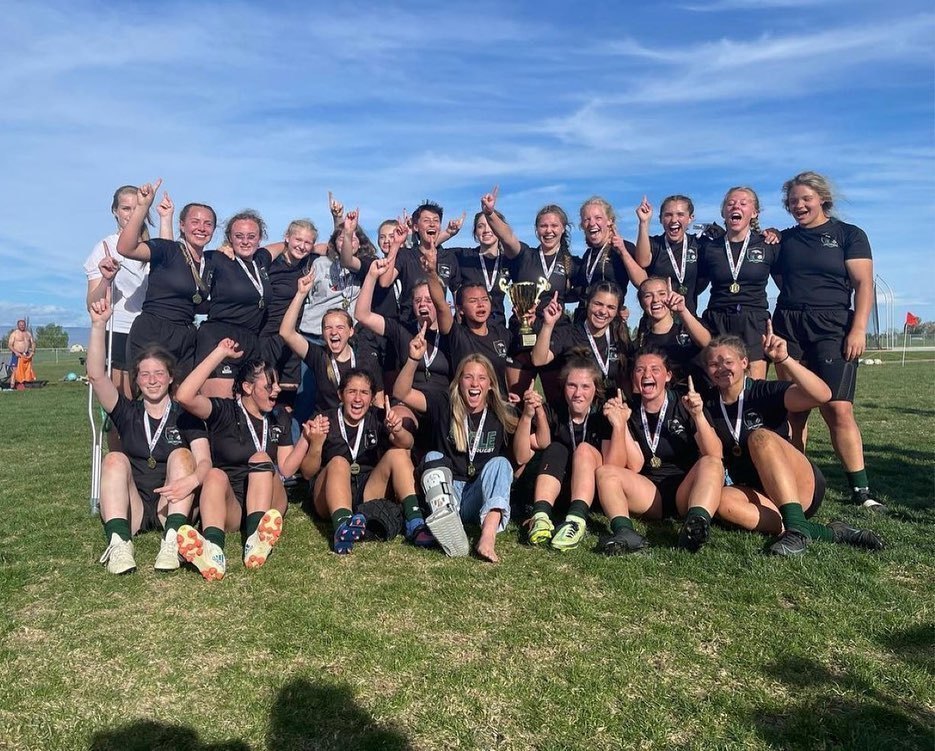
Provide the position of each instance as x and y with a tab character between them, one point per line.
304	716
839	710
310	715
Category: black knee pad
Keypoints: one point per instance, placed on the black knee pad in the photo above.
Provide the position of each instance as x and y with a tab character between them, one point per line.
260	467
554	462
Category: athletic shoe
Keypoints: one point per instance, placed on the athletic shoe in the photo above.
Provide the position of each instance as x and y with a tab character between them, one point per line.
790	542
859	538
168	557
119	555
418	533
623	542
694	533
569	534
540	528
863	499
203	554
259	545
349	531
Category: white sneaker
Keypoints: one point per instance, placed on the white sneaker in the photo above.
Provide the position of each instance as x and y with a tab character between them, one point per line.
168	557
119	555
203	554
260	544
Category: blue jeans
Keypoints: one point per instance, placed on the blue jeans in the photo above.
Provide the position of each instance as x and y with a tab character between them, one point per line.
489	492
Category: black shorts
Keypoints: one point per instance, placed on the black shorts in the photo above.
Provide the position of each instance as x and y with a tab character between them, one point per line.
179	339
118	354
816	338
285	362
747	323
212	332
817	496
668	487
146	484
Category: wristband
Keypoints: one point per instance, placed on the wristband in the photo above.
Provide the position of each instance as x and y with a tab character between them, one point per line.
780	362
414	358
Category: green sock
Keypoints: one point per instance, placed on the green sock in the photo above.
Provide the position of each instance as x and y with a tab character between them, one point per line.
544	506
411	508
339	516
253	521
215	535
858	480
119	527
620	522
793	517
698	511
579	509
174	521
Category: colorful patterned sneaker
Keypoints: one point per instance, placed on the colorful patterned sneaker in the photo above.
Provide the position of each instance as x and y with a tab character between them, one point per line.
259	545
624	542
570	533
349	531
119	556
694	533
419	534
540	528
203	554
844	534
863	499
790	542
168	557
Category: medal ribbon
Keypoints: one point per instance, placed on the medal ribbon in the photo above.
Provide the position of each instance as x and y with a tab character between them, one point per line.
547	270
151	439
255	281
256	441
360	432
584	431
590	268
190	260
472	449
735	428
488	280
334	366
680	269
653	439
603	364
429	360
735	270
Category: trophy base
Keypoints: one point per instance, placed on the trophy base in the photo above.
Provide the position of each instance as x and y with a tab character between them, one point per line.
527	341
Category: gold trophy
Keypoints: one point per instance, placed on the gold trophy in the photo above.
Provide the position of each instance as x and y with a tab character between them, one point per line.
524	296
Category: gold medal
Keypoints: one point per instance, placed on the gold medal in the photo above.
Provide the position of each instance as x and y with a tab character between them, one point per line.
197	298
683	290
151	463
355	468
261	304
736	450
345	303
471	471
734	288
655	462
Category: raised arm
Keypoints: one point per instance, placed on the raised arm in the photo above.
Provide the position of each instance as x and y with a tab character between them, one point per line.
695	328
503	231
100	289
128	244
541	352
166	210
103	387
453	228
644	256
290	320
399	436
807	390
348	259
705	436
402	387
363	308
187	394
437	289
290	458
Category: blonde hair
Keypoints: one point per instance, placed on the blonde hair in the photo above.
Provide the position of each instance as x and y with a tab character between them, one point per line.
297	224
495	402
754	221
819	183
597	201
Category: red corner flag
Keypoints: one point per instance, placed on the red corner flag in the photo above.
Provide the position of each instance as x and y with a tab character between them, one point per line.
912	320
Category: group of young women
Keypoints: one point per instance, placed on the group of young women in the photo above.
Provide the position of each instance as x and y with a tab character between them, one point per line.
349	366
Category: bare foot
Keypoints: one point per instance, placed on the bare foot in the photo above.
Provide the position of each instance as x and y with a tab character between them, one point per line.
485	549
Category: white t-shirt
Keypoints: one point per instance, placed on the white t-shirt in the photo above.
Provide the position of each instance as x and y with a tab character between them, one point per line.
334	287
129	285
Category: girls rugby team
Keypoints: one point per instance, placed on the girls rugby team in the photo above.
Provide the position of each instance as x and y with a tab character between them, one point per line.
344	363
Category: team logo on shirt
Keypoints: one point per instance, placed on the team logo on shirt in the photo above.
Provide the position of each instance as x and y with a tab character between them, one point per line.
683	339
675	427
173	437
828	241
487	444
755	255
500	346
275	431
691	256
444	270
370	439
226	370
753	420
612	352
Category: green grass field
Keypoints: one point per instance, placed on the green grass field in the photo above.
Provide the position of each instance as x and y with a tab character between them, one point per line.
398	648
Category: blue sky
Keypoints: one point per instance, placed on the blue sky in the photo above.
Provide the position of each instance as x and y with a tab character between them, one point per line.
248	105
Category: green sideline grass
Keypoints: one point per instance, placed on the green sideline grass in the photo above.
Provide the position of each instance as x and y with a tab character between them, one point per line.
394	648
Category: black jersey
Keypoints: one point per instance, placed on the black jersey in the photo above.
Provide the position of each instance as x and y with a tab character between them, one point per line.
557	270
594	430
493	442
180	430
757	263
231	442
661	265
434	371
374	442
609	350
234	296
677	448
322	363
763	407
409	266
171	292
385	301
473	267
812	265
495	346
683	354
602	265
284	282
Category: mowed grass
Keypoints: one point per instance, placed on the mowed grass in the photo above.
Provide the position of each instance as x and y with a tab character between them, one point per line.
394	648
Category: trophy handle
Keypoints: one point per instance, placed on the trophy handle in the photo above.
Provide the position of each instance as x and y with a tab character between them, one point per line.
504	285
542	285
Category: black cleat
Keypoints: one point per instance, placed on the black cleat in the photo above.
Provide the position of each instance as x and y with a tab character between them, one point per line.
863	499
844	534
624	542
790	542
694	533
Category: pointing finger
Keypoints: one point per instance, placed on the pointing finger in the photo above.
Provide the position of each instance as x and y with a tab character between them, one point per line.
669	284
691	385
107	250
769	327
